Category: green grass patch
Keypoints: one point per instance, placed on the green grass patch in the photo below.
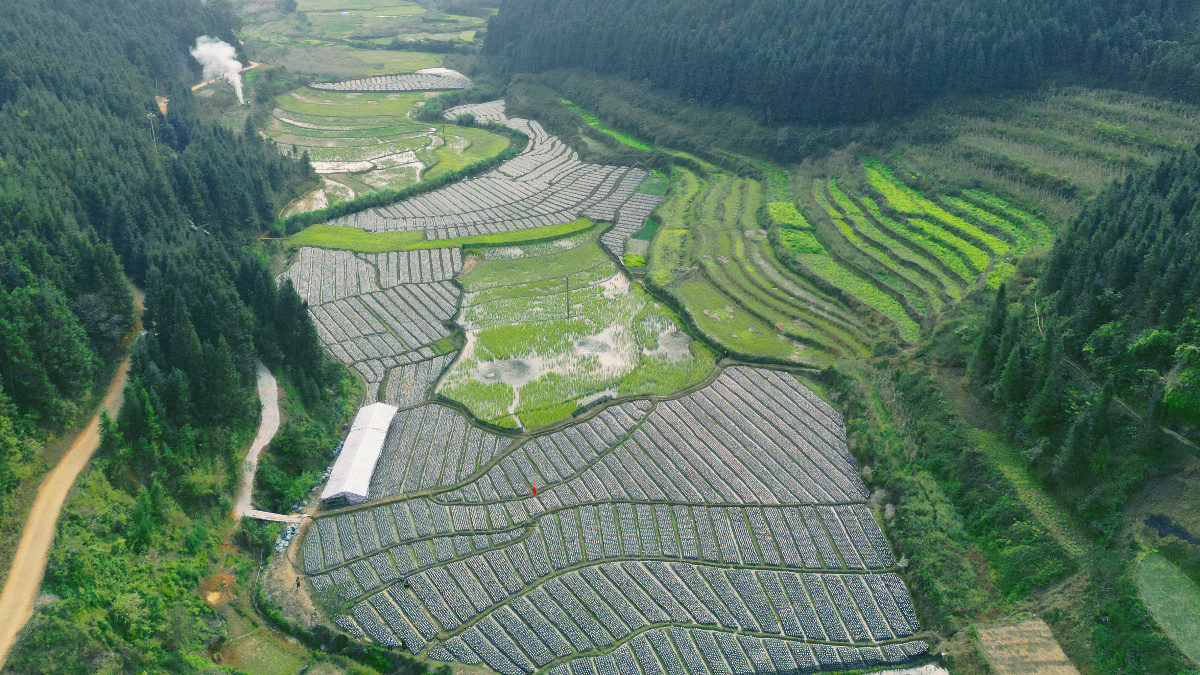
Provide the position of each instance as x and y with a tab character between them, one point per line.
648	229
801	242
786	215
1174	600
825	267
361	241
729	325
948	255
882	241
633	260
354	239
894	274
654	184
908	201
1039	227
1053	517
594	122
464	146
546	334
529	236
443	346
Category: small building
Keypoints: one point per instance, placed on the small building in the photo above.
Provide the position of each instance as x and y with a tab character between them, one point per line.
351	475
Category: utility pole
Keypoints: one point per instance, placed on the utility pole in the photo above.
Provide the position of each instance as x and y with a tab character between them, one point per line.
153	138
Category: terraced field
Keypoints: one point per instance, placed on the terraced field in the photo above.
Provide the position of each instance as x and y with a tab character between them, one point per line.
388	314
695	523
887	247
365	141
711	254
326	38
847	252
723	531
865	255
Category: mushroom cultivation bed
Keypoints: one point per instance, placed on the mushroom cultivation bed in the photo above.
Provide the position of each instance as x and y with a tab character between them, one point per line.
722	531
430	80
544	185
382	313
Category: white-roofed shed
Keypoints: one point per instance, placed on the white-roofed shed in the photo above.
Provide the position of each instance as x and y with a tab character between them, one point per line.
351	475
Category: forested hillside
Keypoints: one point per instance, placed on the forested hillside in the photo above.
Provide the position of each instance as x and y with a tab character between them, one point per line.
87	195
1114	318
827	60
97	185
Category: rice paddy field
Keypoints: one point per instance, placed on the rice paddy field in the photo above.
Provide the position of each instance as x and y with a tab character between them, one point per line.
550	330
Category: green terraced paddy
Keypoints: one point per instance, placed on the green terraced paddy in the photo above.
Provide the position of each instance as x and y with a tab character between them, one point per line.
711	224
371	141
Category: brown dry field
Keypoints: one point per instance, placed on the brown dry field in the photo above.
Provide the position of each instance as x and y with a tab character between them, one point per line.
1024	648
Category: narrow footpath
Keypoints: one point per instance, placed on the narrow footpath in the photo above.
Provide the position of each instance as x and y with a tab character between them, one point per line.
268	394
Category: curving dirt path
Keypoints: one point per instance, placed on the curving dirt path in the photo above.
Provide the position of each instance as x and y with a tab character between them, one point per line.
268	395
29	562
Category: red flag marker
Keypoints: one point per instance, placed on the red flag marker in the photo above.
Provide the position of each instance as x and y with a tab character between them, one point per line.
535	490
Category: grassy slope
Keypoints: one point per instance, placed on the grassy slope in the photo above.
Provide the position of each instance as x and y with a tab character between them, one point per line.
594	122
1049	513
476	144
1174	599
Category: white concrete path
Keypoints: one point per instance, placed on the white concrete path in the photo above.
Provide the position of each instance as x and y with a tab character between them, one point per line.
268	394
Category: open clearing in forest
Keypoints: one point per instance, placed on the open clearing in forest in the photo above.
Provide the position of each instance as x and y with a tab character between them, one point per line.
1174	600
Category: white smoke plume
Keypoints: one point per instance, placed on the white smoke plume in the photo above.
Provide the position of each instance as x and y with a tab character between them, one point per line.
217	57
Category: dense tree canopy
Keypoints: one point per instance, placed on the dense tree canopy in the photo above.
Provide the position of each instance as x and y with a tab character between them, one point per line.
86	194
1103	352
98	186
831	60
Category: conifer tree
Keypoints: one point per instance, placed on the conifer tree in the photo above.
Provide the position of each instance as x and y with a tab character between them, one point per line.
986	345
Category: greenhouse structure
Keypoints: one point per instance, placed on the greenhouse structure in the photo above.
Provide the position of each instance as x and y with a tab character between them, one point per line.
351	475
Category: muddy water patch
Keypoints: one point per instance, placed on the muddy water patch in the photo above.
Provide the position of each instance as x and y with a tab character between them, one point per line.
515	372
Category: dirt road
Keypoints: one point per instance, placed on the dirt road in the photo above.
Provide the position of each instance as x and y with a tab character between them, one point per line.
25	577
29	563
